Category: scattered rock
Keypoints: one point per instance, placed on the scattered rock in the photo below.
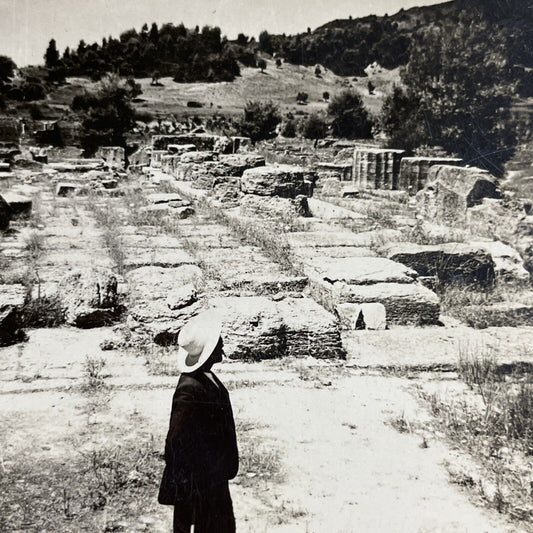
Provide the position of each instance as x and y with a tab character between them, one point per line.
12	298
452	263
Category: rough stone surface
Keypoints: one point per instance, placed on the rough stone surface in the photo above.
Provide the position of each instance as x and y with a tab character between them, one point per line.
371	316
452	263
274	207
90	297
259	328
165	198
197	157
507	314
5	214
283	180
12	299
508	265
331	186
182	296
451	191
360	270
114	156
137	258
179	149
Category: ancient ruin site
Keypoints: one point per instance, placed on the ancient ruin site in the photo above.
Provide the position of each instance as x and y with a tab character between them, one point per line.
374	281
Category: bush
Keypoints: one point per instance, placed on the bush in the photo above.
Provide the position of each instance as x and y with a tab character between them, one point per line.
195	104
260	120
289	129
315	127
262	64
350	118
302	97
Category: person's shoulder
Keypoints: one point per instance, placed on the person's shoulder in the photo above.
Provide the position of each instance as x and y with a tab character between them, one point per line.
189	383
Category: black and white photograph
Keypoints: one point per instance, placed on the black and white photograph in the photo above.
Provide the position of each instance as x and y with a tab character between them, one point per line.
266	266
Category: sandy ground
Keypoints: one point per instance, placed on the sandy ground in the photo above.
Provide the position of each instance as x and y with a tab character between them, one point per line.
345	469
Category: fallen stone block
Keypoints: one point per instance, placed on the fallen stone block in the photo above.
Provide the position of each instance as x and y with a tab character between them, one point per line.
283	180
19	204
12	298
165	198
331	187
508	264
75	166
371	316
258	328
359	270
452	263
90	297
274	207
506	314
414	171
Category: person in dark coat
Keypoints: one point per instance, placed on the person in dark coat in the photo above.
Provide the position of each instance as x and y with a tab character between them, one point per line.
201	452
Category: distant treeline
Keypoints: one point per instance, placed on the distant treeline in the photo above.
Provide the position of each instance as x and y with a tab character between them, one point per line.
188	55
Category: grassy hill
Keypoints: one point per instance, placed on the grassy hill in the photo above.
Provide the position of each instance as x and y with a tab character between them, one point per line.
281	85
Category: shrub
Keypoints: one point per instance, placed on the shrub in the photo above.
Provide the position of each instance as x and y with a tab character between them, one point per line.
262	65
315	127
350	118
302	97
260	120
289	129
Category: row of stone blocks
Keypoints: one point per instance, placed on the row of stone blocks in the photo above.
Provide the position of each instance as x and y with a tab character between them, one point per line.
375	168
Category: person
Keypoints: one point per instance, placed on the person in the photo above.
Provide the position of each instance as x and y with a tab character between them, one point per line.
201	452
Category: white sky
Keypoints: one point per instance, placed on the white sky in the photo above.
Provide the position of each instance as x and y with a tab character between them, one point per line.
26	26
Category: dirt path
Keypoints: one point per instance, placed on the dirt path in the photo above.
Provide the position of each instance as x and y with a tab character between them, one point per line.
342	467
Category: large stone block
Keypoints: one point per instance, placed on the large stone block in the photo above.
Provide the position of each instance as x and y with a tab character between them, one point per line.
90	297
259	328
19	204
451	191
274	207
359	270
452	263
286	181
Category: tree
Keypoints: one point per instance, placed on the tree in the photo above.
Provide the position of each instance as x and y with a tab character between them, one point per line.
461	83
315	127
350	118
289	129
278	62
262	65
260	120
325	96
106	114
51	56
7	68
265	42
301	98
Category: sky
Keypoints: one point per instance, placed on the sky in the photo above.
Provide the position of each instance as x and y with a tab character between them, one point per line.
26	26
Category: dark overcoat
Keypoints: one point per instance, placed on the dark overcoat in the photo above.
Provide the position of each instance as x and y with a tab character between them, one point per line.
201	447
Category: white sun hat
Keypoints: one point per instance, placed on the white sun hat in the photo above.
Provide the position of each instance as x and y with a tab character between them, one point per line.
197	340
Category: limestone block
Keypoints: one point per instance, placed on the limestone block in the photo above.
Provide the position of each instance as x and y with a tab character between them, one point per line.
286	181
451	191
508	265
18	203
360	270
331	187
197	157
90	297
274	207
452	263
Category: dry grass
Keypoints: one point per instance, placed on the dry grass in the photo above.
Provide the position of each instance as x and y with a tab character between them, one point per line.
493	422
